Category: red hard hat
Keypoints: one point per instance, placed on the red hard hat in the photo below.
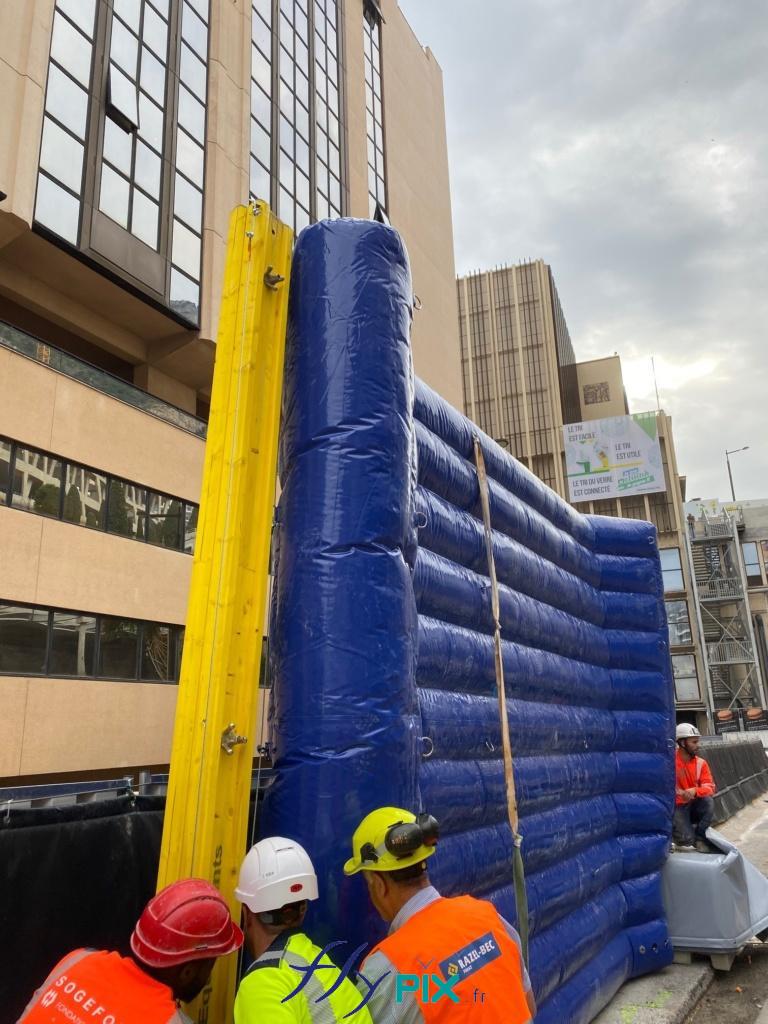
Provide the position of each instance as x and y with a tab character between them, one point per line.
187	920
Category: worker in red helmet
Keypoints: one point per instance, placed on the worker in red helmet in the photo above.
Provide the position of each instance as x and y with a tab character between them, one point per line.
176	941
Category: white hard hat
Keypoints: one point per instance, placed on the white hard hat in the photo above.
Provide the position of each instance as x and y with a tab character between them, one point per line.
275	871
686	731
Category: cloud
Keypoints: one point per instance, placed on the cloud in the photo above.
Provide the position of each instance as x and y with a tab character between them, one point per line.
624	142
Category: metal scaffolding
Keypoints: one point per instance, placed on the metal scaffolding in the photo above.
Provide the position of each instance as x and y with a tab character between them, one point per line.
720	584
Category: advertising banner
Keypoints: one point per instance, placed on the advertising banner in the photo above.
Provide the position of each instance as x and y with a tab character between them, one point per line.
613	458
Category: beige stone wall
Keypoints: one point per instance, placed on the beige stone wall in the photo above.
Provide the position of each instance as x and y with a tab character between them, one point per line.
601	371
416	153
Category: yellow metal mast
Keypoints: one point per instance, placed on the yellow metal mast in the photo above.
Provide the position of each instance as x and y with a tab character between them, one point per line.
206	815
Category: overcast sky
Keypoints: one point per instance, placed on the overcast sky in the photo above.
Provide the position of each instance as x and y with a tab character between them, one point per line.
625	142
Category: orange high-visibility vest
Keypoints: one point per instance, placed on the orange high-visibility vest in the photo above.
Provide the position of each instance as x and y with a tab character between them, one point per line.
467	937
103	988
692	774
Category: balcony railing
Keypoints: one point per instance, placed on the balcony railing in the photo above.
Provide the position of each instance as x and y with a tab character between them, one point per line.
730	652
100	380
717	590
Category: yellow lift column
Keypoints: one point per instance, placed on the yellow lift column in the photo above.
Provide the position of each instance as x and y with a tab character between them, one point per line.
206	815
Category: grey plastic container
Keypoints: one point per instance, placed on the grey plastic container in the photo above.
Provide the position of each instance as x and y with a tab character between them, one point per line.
715	902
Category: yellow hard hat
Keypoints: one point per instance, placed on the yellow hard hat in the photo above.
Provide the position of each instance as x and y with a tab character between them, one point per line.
391	838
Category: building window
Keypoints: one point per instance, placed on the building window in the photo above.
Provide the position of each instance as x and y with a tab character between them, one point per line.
296	113
671	570
752	563
31	480
679	623
686	680
120	178
374	116
81	645
596	393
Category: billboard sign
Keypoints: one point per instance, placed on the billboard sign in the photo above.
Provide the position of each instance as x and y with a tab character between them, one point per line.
613	458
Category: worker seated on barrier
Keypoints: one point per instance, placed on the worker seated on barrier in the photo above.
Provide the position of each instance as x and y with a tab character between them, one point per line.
176	941
694	790
291	979
443	959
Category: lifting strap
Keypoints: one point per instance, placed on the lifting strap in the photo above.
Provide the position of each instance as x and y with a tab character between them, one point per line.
521	896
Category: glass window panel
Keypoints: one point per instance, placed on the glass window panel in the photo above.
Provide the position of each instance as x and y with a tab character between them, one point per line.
321	176
189	158
286	100
122	97
286	171
260	185
678	622
155	34
192	114
161	6
113	198
334	193
330	39
156	654
178	652
262	35
194	32
302	154
144	217
153	75
130	12
334	159
126	509
301	24
151	122
84	495
751	561
201	6
260	69
118	647
188	203
302	57
36	482
5	469
185	296
191	513
81	12
286	9
260	142
124	48
61	155
73	644
66	101
118	146
287	138
186	250
302	218
57	209
23	639
164	520
286	207
321	145
302	87
330	12
261	107
333	128
686	681
302	189
71	49
670	568
193	73
148	169
323	209
264	8
285	60
333	99
302	120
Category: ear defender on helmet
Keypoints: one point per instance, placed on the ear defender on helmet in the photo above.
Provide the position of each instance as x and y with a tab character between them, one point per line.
404	839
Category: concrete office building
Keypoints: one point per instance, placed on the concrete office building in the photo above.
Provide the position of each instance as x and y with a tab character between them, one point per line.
130	129
521	383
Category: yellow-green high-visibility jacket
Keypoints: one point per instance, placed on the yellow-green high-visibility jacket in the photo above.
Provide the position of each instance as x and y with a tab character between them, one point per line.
277	973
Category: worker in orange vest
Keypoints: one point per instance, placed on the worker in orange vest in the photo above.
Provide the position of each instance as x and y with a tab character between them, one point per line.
694	790
454	960
176	941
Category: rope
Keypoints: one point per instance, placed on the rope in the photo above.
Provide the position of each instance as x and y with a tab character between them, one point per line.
521	896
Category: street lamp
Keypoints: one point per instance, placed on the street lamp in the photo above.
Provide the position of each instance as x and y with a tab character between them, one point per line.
728	463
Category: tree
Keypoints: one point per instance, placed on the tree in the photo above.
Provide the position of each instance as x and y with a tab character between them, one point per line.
73	505
119	519
46	499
